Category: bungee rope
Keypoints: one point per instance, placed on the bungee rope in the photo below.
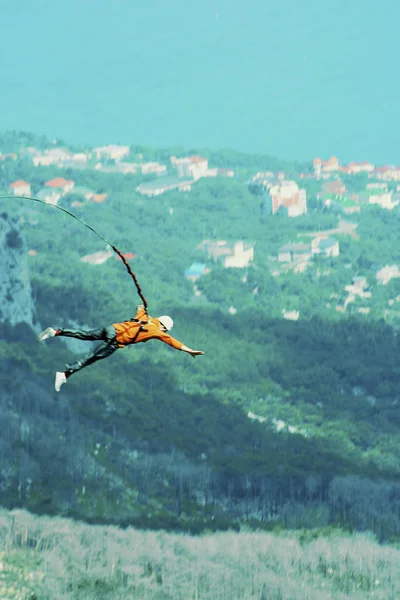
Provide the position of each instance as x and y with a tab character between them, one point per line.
132	274
118	252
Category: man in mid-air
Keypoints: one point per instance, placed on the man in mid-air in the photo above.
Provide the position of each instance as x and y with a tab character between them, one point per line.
142	328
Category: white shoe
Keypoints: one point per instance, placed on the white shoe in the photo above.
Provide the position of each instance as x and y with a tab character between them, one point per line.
47	333
60	379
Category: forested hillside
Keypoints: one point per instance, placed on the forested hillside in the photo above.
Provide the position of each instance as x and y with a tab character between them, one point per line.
280	422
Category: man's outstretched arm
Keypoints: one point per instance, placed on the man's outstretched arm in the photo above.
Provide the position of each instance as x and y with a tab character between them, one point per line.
193	353
168	339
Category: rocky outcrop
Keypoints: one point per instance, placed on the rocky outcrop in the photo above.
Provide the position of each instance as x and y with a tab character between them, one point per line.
16	303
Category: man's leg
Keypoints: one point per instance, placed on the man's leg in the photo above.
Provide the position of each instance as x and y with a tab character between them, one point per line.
109	345
103	333
102	351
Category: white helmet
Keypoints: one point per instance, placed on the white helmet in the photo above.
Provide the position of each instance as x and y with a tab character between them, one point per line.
166	321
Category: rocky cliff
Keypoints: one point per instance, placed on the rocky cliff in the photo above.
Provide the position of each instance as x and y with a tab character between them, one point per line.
16	303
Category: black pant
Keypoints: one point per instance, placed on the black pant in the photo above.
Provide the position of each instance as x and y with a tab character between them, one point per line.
109	345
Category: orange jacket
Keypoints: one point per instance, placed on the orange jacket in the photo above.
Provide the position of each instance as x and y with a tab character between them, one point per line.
129	332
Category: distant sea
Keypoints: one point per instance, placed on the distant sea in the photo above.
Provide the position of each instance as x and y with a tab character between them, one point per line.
291	78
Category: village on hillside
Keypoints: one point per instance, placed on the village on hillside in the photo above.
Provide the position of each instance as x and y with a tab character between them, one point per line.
280	196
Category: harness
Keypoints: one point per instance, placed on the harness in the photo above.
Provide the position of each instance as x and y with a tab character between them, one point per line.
141	327
125	329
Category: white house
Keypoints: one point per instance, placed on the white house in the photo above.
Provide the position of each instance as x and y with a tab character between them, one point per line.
21	188
52	156
237	255
325	166
111	151
383	187
291	315
42	160
288	195
77	159
126	167
242	255
49	195
383	198
219	172
354	167
153	167
386	173
190	166
296	210
387	273
325	245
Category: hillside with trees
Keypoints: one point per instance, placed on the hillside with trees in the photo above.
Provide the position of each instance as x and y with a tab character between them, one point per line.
289	423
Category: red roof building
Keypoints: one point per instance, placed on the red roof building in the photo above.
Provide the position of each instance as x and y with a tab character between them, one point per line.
19	183
59	183
334	187
99	198
332	164
127	255
21	188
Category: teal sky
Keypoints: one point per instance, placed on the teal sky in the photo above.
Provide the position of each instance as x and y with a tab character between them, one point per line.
289	78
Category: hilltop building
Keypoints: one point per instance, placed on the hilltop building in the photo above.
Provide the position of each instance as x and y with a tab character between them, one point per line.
238	254
112	152
382	197
322	167
288	195
386	173
52	156
353	168
153	167
58	157
190	166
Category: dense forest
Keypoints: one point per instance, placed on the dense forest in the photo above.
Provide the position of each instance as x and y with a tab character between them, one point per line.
281	423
